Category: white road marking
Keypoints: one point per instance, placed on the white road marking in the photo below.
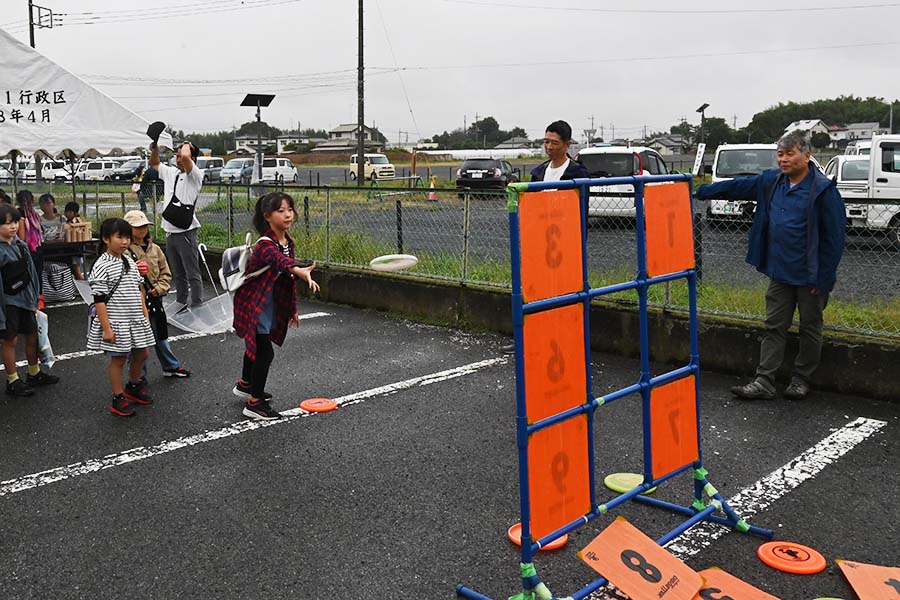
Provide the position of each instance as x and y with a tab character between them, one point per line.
174	338
64	304
27	482
759	496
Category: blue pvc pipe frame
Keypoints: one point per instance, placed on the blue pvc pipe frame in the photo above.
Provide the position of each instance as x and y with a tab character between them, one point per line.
699	510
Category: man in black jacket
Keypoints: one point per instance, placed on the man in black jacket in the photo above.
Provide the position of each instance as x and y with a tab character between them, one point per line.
557	140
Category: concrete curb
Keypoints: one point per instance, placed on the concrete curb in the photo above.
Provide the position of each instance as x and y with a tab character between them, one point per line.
850	365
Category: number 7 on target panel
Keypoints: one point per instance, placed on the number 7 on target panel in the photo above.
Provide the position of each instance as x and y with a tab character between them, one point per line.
638	566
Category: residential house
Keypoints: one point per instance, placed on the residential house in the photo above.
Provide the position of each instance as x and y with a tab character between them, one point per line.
670	144
807	127
246	144
864	131
344	138
514	143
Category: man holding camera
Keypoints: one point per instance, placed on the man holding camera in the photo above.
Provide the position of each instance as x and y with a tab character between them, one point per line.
182	186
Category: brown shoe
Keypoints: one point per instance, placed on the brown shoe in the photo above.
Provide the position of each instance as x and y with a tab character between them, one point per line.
798	390
755	390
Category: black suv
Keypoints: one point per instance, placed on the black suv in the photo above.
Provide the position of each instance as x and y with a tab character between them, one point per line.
485	173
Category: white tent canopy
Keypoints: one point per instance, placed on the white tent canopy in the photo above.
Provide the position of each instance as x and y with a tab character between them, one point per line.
44	107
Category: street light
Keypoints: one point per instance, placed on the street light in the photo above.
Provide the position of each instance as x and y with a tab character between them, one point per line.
702	111
258	100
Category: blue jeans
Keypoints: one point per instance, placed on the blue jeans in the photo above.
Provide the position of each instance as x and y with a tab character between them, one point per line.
167	359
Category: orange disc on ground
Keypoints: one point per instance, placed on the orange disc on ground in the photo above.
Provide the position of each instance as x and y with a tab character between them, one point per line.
514	534
318	405
791	558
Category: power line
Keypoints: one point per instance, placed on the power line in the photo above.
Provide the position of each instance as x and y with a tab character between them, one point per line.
399	72
648	58
189	10
664	11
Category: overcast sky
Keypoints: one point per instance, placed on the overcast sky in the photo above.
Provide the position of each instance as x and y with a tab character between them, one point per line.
627	64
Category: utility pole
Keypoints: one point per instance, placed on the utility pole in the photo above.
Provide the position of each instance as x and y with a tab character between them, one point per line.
613	128
734	122
360	117
31	22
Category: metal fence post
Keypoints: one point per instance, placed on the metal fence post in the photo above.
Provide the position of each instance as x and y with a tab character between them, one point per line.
328	225
122	194
465	264
698	245
97	202
229	217
306	214
399	227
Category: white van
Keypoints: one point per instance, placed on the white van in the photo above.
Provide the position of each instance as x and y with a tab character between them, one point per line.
859	148
741	160
279	170
96	170
51	170
618	161
377	166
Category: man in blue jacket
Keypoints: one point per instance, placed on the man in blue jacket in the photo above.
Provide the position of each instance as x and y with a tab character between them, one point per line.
557	140
796	240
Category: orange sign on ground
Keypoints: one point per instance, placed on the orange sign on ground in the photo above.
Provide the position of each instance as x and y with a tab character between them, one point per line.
550	241
872	582
719	585
674	441
558	475
638	566
670	233
555	371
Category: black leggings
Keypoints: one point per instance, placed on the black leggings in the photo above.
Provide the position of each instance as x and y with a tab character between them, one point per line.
255	372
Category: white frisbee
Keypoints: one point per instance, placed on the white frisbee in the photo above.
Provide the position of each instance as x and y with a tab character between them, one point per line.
393	262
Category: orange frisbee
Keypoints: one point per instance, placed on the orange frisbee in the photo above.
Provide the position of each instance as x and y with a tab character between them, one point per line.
514	534
791	558
318	405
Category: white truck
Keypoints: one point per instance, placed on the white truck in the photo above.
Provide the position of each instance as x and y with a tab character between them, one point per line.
870	187
741	160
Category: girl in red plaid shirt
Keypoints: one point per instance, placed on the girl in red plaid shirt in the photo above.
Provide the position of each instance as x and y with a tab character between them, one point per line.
266	305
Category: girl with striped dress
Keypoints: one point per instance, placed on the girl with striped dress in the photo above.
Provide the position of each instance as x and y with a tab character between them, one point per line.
121	326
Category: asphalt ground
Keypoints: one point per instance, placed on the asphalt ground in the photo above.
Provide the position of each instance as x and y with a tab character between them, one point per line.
404	492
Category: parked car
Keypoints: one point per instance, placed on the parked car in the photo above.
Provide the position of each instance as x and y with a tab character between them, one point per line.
96	170
377	166
127	171
485	173
870	187
51	170
859	147
212	167
741	160
238	170
279	170
618	161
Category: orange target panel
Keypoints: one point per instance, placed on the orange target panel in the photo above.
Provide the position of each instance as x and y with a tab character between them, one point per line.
558	481
673	426
555	373
670	234
550	241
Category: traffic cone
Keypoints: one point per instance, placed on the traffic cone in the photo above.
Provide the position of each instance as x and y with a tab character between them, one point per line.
432	195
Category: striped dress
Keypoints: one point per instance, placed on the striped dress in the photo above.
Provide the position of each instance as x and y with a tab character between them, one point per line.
126	314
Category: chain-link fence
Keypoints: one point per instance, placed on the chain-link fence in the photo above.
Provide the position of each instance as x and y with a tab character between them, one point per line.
464	236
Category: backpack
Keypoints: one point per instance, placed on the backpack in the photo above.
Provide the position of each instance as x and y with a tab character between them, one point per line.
233	273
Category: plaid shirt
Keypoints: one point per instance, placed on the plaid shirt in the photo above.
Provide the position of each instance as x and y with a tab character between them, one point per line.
250	297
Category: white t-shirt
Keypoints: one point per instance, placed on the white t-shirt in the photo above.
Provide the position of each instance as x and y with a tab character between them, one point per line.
188	191
555	174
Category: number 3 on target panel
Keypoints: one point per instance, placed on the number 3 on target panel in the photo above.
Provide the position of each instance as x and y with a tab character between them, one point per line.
638	566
